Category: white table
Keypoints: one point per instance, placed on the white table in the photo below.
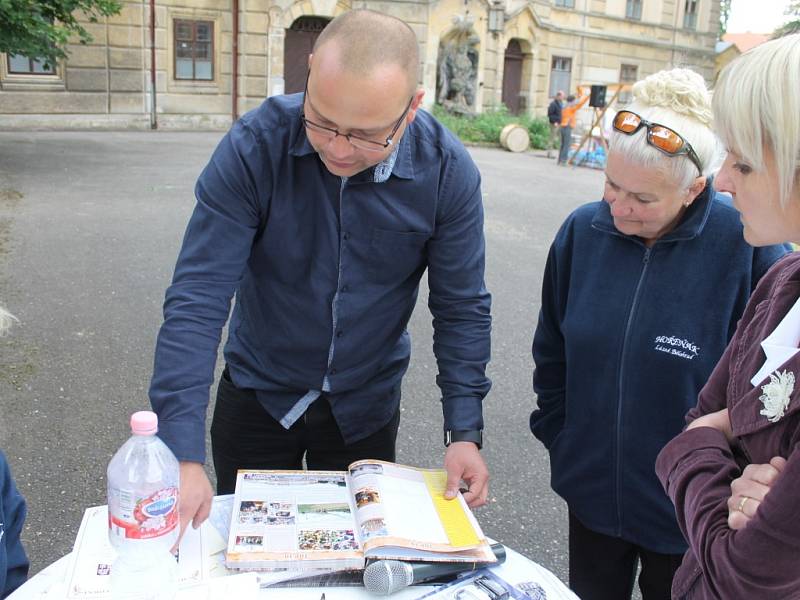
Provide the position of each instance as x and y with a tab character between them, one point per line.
49	584
204	569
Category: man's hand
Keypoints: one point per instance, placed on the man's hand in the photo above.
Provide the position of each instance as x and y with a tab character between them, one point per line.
463	462
749	490
717	420
196	495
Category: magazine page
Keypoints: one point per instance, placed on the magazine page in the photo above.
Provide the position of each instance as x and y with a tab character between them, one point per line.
293	519
402	513
89	573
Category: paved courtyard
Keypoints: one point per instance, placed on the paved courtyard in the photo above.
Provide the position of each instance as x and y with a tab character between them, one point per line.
90	224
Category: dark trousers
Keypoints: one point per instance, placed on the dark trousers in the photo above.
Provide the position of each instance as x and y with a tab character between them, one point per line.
602	567
566	142
245	436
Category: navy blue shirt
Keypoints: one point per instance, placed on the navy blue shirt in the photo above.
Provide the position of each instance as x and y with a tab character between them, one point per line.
326	272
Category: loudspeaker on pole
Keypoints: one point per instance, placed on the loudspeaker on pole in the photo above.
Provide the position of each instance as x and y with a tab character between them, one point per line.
597	99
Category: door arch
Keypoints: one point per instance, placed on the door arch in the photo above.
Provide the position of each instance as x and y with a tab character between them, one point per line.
297	45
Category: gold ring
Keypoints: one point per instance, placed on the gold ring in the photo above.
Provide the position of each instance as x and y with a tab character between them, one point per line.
742	502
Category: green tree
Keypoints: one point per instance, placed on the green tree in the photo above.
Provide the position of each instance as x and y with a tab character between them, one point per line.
793	25
724	15
41	28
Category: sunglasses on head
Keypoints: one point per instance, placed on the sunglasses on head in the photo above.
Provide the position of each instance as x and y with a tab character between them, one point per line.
660	137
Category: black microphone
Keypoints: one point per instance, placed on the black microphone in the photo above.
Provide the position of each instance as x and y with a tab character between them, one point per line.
384	577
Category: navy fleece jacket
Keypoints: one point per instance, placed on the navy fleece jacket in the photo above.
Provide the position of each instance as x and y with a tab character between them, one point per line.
13	561
627	336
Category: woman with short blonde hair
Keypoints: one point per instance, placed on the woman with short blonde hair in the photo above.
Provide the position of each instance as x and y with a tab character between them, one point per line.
641	294
741	524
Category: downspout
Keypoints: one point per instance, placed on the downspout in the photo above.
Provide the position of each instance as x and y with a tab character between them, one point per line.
235	65
153	118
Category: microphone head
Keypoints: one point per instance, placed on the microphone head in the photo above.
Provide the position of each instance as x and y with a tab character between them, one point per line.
384	577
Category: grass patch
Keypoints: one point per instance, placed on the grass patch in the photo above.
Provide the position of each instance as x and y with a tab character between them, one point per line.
485	127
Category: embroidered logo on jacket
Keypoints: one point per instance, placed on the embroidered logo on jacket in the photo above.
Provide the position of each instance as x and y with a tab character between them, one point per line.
676	346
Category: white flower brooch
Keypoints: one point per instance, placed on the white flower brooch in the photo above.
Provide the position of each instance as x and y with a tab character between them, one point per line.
776	395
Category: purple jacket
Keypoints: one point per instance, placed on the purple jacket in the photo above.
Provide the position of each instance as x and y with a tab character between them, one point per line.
697	467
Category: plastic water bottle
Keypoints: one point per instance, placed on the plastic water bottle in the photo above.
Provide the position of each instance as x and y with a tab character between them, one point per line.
143	519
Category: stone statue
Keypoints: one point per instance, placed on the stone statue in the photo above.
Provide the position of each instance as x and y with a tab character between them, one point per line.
458	68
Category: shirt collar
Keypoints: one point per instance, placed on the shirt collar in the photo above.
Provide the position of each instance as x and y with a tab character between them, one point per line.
689	227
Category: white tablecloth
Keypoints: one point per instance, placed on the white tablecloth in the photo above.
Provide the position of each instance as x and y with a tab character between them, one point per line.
49	584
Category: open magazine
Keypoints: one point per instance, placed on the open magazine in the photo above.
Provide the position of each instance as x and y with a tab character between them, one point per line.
338	519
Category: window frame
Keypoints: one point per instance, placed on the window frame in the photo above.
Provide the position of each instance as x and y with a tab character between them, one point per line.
30	72
176	40
690	16
625	97
567	60
564	3
633	9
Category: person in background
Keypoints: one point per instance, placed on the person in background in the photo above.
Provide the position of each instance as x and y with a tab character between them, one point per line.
554	118
13	560
734	473
641	294
568	122
321	211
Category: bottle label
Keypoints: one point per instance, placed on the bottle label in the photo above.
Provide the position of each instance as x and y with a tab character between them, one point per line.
143	518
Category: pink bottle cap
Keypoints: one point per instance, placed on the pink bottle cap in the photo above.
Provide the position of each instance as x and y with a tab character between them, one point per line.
144	422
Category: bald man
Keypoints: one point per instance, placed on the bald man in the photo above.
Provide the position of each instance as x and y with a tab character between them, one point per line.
320	212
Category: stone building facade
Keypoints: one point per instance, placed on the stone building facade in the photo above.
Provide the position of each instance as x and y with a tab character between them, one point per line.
201	63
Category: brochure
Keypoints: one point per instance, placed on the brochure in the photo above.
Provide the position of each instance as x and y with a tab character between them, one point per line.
338	519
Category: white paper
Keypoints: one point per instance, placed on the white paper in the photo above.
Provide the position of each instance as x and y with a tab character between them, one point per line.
89	573
781	344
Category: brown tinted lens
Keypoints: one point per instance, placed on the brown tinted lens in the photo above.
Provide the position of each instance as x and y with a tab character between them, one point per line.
666	139
627	122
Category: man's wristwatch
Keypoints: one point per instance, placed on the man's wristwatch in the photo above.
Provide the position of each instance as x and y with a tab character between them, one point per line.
473	435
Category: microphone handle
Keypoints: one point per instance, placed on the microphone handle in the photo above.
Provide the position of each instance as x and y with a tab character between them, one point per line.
429	571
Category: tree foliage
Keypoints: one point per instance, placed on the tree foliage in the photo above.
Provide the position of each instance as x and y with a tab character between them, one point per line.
41	28
724	16
793	24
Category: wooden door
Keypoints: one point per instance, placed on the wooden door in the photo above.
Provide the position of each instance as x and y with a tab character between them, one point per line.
512	76
297	45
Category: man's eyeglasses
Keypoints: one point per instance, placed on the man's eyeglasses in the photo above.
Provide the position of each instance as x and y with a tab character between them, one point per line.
660	137
357	141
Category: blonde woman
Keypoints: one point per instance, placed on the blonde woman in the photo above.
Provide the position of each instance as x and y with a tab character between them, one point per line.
742	526
13	561
641	294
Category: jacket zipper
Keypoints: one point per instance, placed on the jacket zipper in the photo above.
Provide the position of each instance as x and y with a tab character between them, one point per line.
618	471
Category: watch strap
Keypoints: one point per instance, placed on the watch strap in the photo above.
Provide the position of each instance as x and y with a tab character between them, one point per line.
473	435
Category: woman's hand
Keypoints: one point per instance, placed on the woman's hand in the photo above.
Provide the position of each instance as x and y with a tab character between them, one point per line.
749	490
717	420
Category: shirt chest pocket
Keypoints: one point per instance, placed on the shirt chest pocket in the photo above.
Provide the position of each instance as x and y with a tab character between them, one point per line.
394	256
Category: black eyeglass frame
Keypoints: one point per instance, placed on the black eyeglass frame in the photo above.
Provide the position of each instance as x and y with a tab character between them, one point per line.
375	145
686	148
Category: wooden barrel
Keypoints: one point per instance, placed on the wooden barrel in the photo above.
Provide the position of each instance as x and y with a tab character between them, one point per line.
514	138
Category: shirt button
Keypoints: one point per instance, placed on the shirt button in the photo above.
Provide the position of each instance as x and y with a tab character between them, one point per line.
339	334
346	236
333	371
345	288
